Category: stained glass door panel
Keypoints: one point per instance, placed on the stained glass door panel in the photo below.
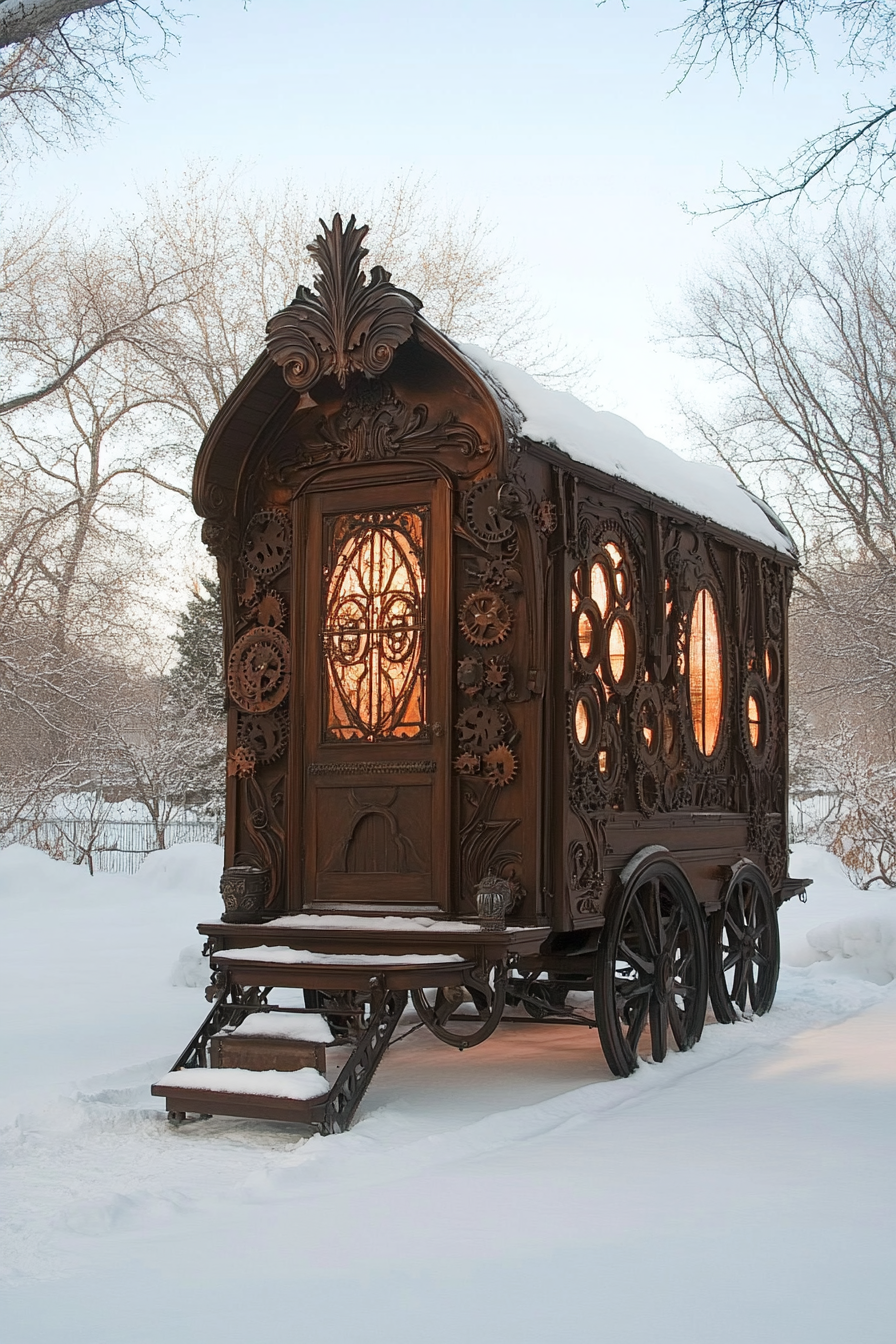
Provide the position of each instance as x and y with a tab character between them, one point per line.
376	655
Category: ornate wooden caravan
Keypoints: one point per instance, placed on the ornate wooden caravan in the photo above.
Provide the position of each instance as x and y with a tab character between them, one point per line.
507	715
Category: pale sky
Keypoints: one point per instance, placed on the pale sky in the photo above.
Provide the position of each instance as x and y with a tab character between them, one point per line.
554	117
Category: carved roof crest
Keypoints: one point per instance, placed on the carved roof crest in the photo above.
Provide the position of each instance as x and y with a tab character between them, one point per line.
348	325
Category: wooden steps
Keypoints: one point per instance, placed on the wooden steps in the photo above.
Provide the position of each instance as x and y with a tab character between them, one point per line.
245	1035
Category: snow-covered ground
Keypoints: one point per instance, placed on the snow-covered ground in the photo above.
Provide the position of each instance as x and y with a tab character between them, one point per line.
745	1191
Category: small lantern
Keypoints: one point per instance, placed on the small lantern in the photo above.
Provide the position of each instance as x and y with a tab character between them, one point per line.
494	897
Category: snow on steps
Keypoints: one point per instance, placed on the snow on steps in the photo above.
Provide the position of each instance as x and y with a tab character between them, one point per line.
302	1085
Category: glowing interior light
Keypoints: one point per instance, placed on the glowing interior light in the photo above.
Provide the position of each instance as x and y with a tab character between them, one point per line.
620	578
705	671
582	723
585	634
600	587
618	650
373	633
754	721
603	762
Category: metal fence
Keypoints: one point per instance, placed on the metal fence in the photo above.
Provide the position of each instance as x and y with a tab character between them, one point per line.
809	813
108	846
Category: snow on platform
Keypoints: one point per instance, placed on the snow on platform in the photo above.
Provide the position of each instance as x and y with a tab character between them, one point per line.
290	956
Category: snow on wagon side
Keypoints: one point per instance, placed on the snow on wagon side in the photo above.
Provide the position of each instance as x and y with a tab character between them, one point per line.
507	717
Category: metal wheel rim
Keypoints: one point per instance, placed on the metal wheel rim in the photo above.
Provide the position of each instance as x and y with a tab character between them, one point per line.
745	948
651	972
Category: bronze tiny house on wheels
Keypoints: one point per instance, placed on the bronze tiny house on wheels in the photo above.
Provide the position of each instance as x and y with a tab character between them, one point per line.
508	713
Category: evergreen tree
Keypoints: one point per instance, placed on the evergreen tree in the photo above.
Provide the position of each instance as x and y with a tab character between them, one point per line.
197	679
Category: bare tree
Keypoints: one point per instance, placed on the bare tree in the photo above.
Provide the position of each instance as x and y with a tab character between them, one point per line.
199	349
116	351
62	65
68	295
800	335
860	151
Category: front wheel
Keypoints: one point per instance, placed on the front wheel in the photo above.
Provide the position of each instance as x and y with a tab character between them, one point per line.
651	968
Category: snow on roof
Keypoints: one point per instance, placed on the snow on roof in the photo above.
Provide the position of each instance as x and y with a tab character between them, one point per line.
618	448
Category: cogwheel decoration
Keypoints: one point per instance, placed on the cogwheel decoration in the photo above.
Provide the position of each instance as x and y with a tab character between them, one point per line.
258	670
485	618
499	766
497	676
248	591
241	762
268	539
264	735
485	516
470	675
480	727
467	763
271	610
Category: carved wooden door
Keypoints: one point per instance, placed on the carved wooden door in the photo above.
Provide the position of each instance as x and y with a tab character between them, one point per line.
376	705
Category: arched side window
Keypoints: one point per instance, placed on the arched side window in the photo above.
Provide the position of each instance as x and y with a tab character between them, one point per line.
705	672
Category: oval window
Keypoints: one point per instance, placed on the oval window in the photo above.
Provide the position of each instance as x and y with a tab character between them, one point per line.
772	666
621	652
584	722
705	671
586	634
754	721
600	586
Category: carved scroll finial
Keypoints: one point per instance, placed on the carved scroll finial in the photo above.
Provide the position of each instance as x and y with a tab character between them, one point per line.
348	325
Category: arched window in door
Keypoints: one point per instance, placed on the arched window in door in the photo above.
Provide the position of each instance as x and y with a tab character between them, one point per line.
373	631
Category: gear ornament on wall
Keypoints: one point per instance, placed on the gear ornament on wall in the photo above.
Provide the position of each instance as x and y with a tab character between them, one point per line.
485	517
268	539
499	766
241	762
470	675
258	670
480	727
271	610
467	763
265	735
485	618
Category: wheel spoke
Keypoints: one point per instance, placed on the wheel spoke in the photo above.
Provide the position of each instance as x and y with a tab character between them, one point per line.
673	929
732	959
739	989
640	963
676	1021
637	910
636	1025
659	1028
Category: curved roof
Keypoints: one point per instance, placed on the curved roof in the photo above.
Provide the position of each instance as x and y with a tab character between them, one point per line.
619	449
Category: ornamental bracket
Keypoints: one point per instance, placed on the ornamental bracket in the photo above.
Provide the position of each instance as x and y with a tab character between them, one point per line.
348	325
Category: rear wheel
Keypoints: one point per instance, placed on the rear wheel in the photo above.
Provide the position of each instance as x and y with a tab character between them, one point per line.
744	949
651	969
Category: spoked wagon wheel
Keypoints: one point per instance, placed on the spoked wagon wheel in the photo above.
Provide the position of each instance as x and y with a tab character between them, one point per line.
651	969
437	1007
744	952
